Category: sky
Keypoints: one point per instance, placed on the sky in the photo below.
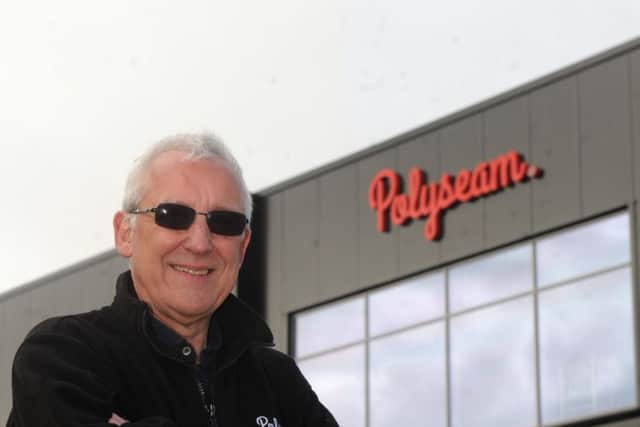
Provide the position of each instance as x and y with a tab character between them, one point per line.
289	85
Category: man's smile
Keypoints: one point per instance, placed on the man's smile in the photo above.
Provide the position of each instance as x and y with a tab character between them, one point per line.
196	271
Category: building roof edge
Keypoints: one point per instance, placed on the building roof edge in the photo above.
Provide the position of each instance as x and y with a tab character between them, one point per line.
520	90
66	271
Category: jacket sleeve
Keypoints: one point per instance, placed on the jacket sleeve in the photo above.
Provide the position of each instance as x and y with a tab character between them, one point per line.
299	404
60	381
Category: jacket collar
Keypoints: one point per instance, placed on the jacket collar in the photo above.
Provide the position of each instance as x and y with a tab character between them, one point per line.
239	326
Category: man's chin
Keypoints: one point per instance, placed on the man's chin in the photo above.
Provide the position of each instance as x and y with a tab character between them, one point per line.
191	312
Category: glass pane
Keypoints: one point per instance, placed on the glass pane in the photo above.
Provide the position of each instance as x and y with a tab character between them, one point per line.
583	249
412	301
586	347
338	380
329	326
491	277
410	367
492	367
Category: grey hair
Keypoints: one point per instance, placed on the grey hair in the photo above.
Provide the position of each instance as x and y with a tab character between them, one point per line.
195	147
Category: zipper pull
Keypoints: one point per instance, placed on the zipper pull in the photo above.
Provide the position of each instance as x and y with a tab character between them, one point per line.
212	415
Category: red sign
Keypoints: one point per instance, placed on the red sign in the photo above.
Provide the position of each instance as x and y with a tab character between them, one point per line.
432	199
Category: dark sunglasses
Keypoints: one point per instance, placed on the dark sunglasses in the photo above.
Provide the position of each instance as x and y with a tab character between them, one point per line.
180	217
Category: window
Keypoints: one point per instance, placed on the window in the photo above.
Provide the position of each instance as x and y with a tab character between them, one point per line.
491	277
537	334
405	377
493	367
586	350
421	299
318	326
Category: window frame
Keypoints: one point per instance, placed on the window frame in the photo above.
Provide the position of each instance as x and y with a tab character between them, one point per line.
535	290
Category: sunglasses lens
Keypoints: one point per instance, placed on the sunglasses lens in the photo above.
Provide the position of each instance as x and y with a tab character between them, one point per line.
227	223
174	216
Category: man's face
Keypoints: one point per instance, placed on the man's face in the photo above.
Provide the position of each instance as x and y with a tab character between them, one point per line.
184	275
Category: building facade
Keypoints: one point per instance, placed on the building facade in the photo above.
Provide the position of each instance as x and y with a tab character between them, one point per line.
478	271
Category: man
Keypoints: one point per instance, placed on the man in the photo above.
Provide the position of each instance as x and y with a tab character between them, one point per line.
174	348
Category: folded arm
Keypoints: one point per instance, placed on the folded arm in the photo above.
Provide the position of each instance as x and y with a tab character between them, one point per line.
59	380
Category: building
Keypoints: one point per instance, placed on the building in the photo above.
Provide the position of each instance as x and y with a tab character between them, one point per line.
478	271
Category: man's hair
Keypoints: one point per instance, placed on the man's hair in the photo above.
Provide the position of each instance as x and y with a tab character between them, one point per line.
195	147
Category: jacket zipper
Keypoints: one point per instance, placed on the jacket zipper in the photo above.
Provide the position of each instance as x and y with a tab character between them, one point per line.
209	408
207	403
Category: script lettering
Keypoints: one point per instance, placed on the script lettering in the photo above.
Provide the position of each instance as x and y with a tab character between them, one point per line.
430	200
382	191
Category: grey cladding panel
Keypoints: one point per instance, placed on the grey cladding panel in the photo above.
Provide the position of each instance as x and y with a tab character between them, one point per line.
86	289
415	253
6	357
626	423
507	213
42	301
57	297
605	136
17	317
60	300
301	240
634	59
337	270
377	252
276	316
634	64
104	288
461	148
554	142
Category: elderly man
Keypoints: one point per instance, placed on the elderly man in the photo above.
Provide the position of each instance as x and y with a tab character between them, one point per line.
174	348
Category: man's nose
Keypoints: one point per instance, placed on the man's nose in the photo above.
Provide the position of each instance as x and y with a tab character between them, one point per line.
199	238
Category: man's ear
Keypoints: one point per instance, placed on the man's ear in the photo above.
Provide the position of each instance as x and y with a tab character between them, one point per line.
123	234
245	242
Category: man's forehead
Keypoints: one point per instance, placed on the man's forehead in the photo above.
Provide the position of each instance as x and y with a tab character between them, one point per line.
172	167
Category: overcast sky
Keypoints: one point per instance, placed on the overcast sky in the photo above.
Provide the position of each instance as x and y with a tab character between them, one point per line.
290	85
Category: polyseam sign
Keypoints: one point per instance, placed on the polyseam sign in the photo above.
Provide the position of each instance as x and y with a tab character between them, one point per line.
430	200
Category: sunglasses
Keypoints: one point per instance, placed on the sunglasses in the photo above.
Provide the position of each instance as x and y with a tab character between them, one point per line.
180	217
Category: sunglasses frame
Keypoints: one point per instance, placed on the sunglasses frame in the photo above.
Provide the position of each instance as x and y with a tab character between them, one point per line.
214	227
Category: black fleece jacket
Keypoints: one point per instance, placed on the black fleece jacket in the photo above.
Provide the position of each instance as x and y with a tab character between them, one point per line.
78	370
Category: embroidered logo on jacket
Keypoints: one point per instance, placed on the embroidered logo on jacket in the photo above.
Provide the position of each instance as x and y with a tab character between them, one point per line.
263	421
